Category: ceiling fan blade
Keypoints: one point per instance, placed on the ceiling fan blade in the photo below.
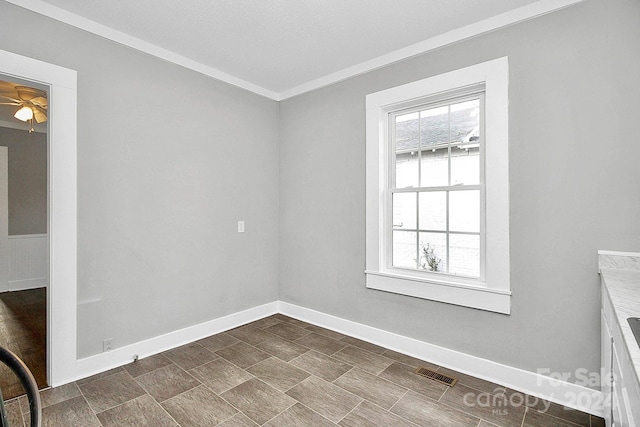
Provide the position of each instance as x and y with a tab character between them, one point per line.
27	93
9	103
39	115
39	101
10	98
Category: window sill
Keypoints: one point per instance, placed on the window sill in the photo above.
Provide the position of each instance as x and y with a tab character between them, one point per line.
495	300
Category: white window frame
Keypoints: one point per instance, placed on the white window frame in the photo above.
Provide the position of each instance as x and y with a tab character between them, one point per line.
493	291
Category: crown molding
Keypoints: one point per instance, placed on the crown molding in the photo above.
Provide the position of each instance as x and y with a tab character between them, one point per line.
69	18
524	13
512	17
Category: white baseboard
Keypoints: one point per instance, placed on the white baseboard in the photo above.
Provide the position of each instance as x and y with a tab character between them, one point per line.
27	284
91	365
561	392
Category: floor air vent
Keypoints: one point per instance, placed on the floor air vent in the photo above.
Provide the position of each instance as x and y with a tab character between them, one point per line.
444	379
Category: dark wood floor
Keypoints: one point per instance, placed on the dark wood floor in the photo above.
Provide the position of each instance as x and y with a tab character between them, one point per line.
23	326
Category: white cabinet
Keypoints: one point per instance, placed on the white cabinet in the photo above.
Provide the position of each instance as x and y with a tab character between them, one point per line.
607	367
619	381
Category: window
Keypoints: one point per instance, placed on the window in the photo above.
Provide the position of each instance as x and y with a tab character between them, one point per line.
437	188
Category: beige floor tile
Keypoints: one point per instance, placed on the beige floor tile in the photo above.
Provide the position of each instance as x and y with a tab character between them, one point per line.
288	331
140	412
14	414
167	382
265	322
321	344
299	415
250	334
257	400
107	392
370	387
59	394
427	412
363	359
72	412
238	420
190	356
493	408
367	414
291	320
328	400
550	408
199	407
146	365
100	375
220	375
278	374
282	349
534	418
242	355
321	365
218	341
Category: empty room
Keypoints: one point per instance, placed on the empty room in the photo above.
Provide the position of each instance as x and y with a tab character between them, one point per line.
317	213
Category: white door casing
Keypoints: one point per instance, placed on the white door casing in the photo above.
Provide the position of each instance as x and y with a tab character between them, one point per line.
62	208
4	219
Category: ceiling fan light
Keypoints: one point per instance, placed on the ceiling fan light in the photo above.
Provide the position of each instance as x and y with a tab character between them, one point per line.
24	114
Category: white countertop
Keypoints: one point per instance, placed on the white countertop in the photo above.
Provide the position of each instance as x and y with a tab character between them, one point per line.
623	287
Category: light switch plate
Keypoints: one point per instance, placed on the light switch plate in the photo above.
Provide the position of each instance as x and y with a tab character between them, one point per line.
240	226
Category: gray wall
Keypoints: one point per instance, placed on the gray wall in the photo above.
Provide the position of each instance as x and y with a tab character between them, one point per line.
574	188
168	161
27	180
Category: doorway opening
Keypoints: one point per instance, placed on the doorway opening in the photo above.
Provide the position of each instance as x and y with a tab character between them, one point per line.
61	310
24	260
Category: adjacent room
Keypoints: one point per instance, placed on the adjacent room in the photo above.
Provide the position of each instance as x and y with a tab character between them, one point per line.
24	277
358	213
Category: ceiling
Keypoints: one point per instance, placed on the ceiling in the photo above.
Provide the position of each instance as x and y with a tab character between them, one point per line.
280	48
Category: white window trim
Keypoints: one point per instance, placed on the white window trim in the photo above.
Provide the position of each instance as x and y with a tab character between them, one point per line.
494	294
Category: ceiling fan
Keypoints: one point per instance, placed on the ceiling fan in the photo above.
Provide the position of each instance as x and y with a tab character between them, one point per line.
32	102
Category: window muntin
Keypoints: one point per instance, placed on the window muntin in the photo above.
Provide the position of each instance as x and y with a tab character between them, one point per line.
437	187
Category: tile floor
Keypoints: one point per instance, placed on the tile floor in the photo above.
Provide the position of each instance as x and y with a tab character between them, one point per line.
23	328
279	371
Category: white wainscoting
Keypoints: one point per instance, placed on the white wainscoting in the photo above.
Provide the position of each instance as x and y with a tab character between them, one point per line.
28	262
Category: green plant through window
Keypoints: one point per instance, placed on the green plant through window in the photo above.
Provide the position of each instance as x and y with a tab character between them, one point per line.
429	260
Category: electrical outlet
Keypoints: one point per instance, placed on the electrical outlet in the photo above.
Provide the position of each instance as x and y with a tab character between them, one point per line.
107	345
